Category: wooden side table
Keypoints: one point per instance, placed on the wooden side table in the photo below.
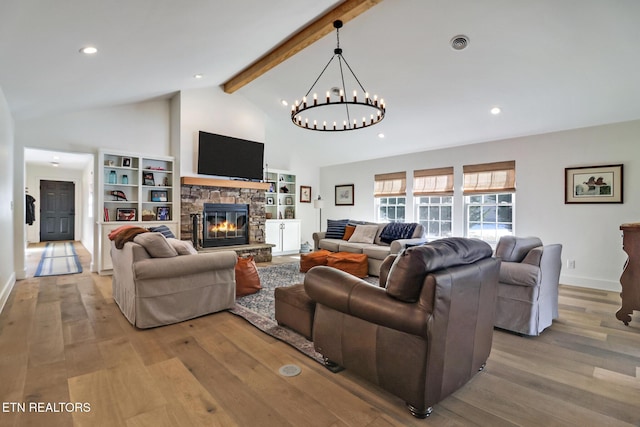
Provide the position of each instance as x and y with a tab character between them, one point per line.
630	279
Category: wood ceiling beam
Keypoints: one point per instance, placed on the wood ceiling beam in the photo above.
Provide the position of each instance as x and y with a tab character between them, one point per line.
308	35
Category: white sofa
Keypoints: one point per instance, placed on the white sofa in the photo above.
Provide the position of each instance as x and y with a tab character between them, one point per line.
376	251
155	285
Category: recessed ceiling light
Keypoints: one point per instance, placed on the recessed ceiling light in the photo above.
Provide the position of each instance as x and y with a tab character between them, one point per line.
89	50
381	135
55	164
284	102
495	111
198	76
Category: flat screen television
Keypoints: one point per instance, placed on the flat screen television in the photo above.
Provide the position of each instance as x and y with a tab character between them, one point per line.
230	157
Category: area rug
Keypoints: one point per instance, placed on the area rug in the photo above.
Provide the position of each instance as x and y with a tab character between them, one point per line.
57	259
259	308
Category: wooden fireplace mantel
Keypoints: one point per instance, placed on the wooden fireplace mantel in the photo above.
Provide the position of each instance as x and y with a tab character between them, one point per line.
213	182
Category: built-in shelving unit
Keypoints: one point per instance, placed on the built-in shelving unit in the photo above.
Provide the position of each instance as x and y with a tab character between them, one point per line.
282	229
133	189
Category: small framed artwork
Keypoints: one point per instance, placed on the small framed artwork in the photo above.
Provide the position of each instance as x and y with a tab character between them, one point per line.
593	184
344	195
305	194
288	200
270	200
159	196
126	214
126	162
148	179
163	213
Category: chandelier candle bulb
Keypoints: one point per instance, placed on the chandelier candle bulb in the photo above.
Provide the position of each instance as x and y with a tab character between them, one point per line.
341	95
355	96
315	124
315	99
375	100
304	102
334	125
324	125
328	97
344	123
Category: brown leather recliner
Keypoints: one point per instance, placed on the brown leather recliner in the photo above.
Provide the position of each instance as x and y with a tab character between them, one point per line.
424	333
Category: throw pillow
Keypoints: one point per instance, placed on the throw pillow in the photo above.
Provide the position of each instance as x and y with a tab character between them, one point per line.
166	231
183	247
156	244
335	228
247	279
348	232
364	234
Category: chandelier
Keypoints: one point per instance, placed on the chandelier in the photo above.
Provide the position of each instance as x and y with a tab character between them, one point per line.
338	112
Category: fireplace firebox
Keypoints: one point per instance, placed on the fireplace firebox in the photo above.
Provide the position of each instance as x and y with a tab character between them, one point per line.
225	224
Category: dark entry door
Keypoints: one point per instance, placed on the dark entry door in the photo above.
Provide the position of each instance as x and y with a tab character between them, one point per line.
57	210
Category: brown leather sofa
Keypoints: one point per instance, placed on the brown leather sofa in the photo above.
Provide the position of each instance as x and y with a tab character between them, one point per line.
424	333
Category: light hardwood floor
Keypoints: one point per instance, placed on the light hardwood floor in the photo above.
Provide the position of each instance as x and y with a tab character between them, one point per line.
63	339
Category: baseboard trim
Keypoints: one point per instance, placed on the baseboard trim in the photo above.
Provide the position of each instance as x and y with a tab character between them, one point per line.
586	282
6	291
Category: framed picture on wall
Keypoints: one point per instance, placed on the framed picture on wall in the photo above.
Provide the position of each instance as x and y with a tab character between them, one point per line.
305	194
593	184
344	195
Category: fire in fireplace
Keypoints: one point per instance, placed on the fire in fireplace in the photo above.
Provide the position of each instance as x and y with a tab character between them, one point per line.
225	224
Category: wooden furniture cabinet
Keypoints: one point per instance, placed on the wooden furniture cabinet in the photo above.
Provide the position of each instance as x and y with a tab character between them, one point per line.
630	279
284	234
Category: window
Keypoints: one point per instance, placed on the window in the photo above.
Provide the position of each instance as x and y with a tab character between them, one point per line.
435	214
433	191
391	209
489	191
489	216
390	194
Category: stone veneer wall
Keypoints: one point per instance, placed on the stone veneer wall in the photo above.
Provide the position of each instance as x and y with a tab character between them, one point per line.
193	198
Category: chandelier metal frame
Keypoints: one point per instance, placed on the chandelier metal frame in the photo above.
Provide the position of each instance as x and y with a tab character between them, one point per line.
299	108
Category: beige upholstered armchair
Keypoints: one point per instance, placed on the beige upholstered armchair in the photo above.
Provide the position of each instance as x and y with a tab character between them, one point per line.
424	333
158	281
528	288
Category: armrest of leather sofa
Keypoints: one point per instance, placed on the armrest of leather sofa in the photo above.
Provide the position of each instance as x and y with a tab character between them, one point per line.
183	265
398	245
350	295
317	236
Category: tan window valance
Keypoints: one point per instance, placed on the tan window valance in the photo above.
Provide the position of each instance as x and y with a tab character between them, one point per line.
390	184
433	182
498	177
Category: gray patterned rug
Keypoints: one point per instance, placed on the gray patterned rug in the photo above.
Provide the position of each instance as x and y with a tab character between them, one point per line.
259	308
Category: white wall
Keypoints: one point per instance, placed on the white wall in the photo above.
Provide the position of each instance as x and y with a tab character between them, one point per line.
7	272
212	110
136	128
589	233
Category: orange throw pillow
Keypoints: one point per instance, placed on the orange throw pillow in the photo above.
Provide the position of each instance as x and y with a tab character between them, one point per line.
348	232
247	279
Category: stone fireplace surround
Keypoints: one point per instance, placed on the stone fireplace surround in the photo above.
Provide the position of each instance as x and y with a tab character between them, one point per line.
195	192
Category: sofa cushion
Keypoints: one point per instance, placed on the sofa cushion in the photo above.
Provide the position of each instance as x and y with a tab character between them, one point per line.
156	244
335	228
514	249
364	234
376	251
332	245
183	247
348	231
411	266
515	273
166	231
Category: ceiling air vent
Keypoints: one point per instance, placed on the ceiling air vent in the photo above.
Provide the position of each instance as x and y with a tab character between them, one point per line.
459	42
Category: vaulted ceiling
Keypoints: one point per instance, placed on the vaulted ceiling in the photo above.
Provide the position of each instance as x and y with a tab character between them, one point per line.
548	64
